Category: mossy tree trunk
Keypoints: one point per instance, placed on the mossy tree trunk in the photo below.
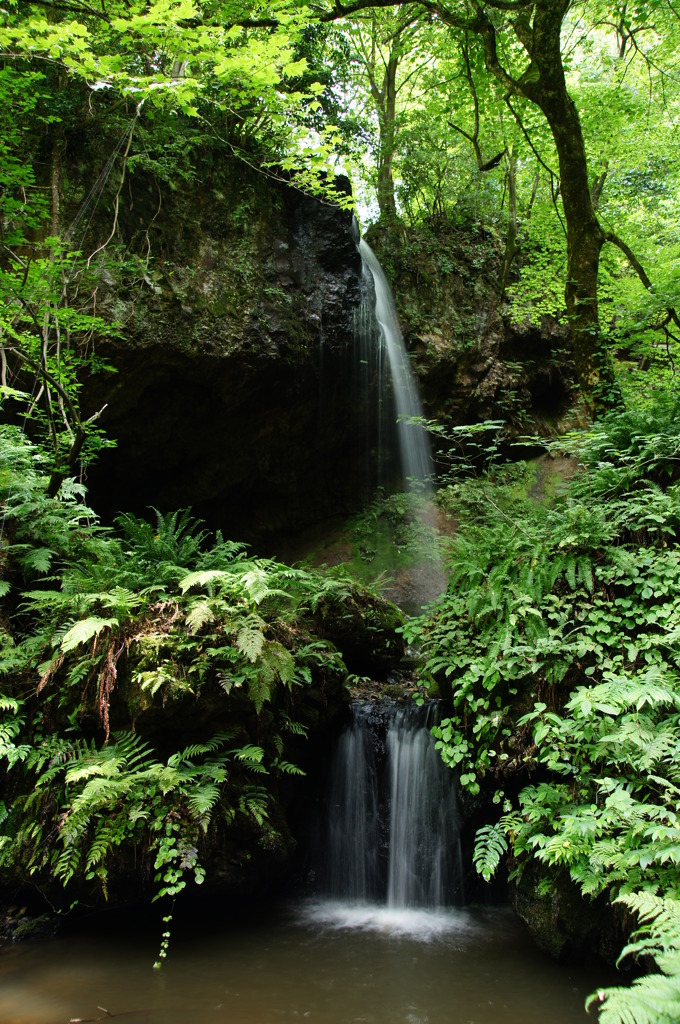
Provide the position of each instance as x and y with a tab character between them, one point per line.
544	84
386	100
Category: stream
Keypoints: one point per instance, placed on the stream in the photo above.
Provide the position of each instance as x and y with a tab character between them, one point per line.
323	962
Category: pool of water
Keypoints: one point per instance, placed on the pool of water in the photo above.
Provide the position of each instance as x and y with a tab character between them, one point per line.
321	962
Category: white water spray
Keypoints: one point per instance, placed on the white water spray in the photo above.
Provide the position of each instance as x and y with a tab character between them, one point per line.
414	445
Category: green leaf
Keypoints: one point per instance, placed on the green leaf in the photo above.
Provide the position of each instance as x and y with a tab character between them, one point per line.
250	642
84	631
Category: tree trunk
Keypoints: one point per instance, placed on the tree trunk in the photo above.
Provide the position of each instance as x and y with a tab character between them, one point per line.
387	121
585	237
55	185
544	84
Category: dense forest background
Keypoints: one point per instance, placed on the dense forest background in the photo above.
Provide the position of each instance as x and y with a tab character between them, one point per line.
533	143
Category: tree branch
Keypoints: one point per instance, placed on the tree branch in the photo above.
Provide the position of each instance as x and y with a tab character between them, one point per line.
79	431
47	376
76	8
610	236
553	177
598	185
120	186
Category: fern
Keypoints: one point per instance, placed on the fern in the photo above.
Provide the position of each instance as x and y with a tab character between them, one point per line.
122	600
251	755
491	845
259	689
84	631
288	768
199	615
37	559
276	658
257	583
295	728
201	578
250	641
653	999
202	800
188	754
253	801
184	615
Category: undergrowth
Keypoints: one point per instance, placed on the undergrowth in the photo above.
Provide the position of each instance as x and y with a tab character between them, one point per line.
559	644
108	638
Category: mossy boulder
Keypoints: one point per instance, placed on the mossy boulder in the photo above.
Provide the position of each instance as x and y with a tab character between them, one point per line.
365	629
564	923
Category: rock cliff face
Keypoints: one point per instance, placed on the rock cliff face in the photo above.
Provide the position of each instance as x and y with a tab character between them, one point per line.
232	390
235	391
474	361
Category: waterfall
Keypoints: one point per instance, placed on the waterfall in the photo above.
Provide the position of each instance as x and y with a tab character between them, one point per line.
354	824
424	844
393	823
384	371
414	446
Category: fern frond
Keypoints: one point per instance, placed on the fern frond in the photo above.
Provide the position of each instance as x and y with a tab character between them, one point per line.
38	559
250	642
279	660
653	999
201	578
259	689
85	630
490	846
202	800
251	755
288	768
199	614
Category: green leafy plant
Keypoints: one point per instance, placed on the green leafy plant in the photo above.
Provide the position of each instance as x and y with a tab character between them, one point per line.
558	642
654	998
101	631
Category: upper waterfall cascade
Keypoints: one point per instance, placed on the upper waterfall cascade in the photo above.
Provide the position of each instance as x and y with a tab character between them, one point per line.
414	445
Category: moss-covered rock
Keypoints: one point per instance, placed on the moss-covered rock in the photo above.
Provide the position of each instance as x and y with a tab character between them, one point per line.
364	628
474	361
564	923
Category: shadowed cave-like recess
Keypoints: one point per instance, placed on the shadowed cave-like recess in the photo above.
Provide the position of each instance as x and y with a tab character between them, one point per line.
239	388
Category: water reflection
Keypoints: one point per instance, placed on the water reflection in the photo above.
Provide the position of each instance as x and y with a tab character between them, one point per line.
315	962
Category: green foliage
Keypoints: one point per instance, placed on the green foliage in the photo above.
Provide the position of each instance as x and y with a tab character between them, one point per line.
559	640
114	795
83	631
121	623
491	845
654	998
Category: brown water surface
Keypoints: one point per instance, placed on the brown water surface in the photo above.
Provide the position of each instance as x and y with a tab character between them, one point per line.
318	963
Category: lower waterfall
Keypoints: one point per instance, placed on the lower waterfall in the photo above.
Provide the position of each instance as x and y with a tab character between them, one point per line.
392	817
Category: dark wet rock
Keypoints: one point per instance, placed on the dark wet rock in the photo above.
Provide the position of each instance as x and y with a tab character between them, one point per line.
564	923
473	361
364	629
19	923
232	385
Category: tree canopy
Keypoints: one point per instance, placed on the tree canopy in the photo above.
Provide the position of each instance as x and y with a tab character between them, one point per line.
552	122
